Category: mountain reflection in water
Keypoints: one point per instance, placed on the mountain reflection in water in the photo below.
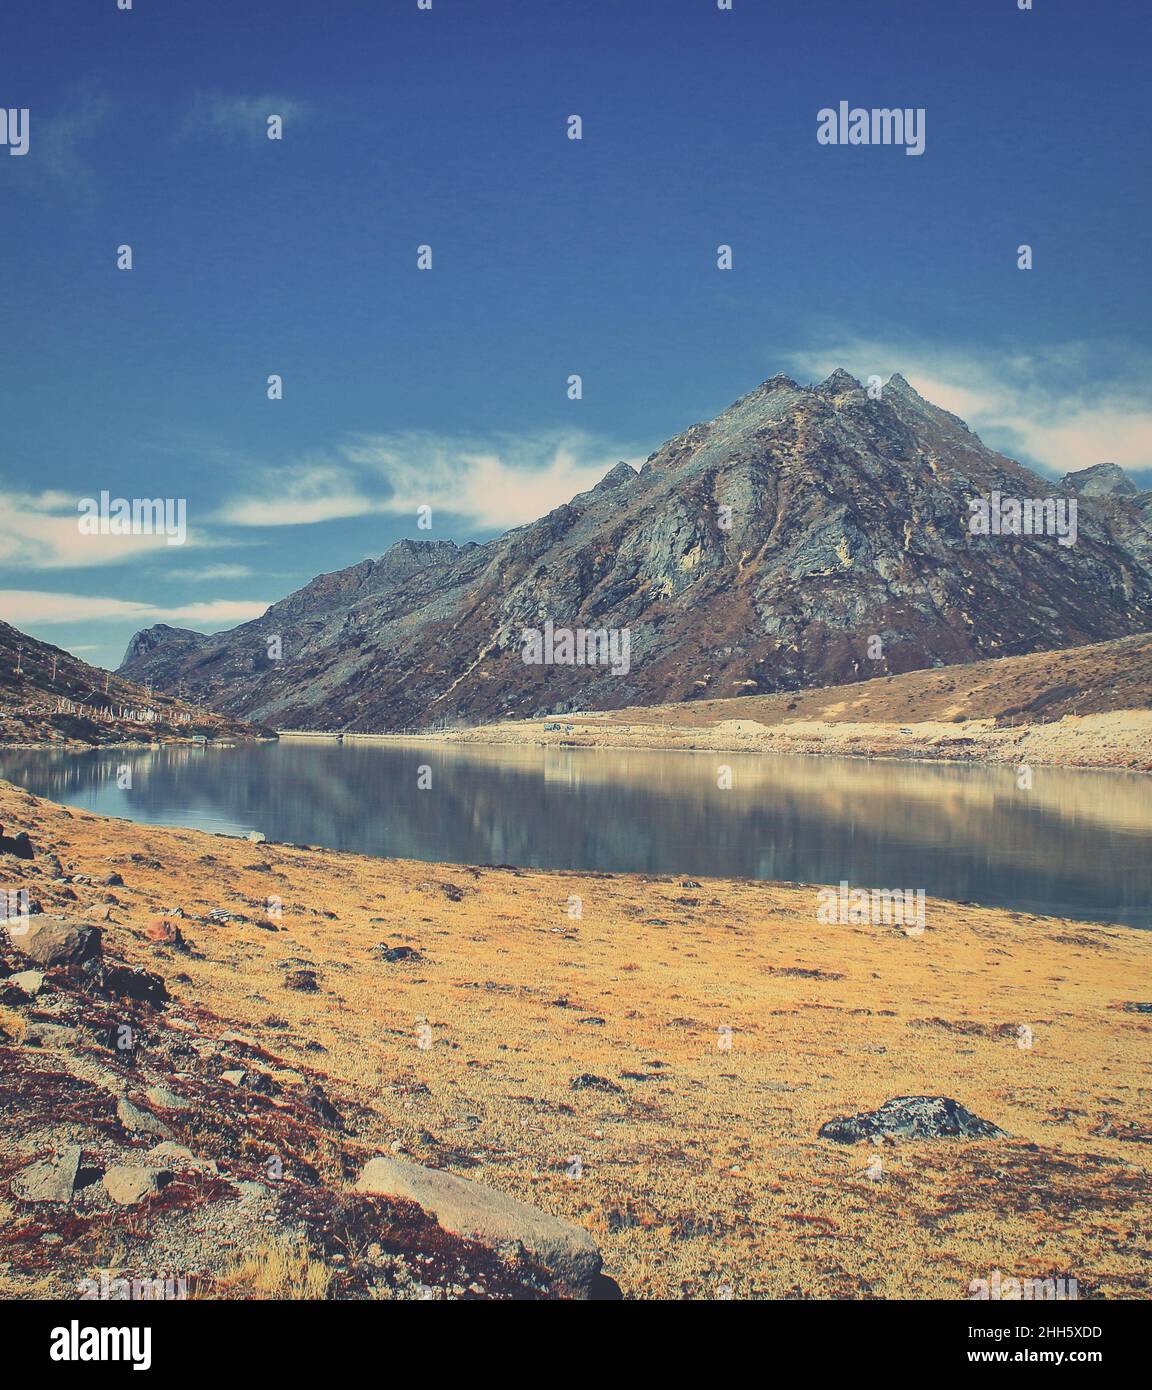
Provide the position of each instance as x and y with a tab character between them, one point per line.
1074	845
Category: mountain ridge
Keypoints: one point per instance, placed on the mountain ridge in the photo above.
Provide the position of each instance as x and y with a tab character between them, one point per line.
770	548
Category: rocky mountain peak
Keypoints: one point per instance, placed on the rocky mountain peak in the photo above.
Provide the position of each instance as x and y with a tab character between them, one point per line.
1100	480
839	382
762	550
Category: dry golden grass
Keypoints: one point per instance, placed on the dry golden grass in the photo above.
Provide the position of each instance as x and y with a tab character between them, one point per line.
706	1170
11	1024
280	1270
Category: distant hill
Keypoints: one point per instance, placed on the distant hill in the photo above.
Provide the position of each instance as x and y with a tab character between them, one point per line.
49	696
1036	689
764	551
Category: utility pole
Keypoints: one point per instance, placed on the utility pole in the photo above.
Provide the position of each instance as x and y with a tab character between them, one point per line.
55	659
20	661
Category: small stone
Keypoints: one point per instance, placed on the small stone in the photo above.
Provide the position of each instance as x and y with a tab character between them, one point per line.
49	1181
394	954
165	933
302	980
135	1121
587	1082
127	1185
30	982
164	1099
49	1035
168	1152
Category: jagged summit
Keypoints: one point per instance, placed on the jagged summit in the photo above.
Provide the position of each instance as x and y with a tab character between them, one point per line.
1101	480
618	476
761	550
839	381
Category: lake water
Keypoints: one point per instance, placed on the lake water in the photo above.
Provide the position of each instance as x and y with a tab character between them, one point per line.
1077	844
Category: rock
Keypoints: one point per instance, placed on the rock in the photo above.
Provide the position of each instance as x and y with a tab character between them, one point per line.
136	1121
468	1209
49	1035
394	954
912	1117
587	1082
49	1181
168	1152
166	933
233	1078
689	883
62	942
165	1100
19	845
303	980
30	982
316	1100
127	1185
124	982
112	881
1135	1007
256	836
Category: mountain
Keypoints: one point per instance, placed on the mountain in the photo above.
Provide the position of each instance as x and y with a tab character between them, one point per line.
848	521
49	696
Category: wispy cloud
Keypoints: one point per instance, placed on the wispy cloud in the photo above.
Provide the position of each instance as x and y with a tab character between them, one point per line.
59	139
41	532
1043	406
492	484
22	607
240	119
207	573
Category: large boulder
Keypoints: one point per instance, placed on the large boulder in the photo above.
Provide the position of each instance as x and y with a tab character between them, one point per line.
912	1117
19	844
474	1212
62	942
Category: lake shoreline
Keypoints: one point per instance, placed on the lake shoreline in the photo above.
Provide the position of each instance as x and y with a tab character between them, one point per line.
1115	740
1119	740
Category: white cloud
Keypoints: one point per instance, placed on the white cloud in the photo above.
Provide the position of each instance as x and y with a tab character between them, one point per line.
41	531
210	572
22	607
493	484
1042	406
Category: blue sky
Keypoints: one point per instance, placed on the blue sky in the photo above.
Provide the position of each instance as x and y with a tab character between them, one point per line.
550	257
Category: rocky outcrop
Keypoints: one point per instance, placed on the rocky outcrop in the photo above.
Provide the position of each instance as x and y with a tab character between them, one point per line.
912	1117
767	550
479	1213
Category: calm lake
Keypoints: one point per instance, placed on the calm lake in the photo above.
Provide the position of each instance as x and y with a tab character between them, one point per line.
1077	844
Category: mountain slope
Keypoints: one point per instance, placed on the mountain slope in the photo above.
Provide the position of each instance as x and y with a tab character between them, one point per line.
49	696
848	522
